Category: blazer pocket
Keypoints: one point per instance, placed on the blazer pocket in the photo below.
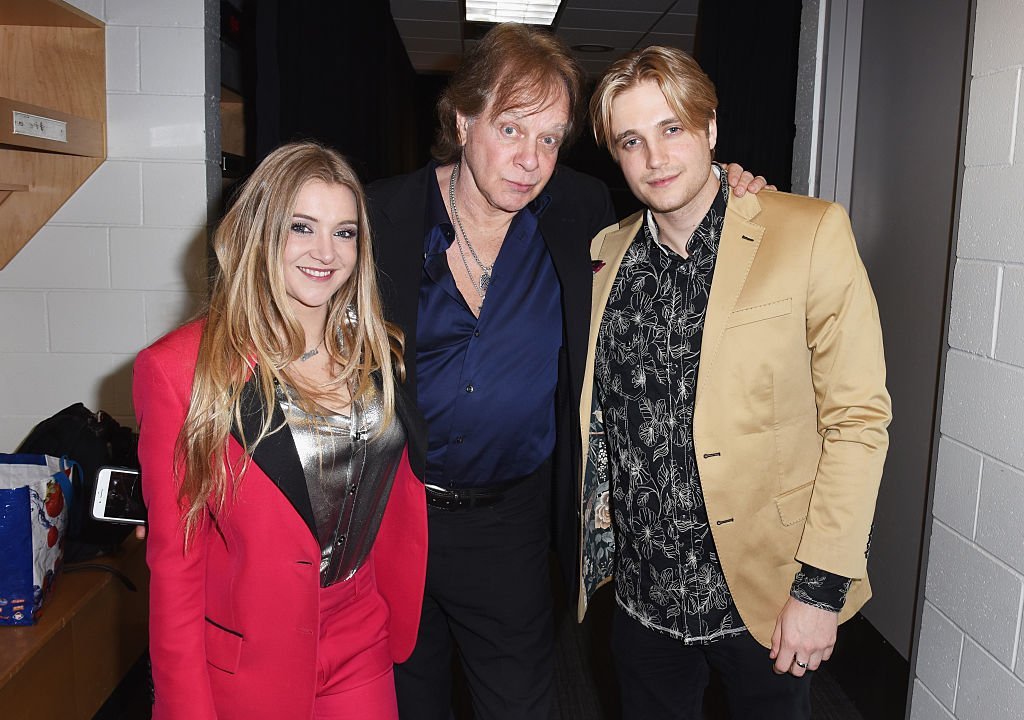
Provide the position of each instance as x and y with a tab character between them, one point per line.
766	311
793	504
223	647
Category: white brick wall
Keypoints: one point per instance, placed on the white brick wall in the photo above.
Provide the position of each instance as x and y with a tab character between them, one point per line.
970	660
926	706
124	260
940	650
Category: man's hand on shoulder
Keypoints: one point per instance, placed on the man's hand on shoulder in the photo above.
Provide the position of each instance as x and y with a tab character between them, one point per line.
743	181
804	637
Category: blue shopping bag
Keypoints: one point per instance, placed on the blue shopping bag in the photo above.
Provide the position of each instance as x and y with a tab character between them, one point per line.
35	494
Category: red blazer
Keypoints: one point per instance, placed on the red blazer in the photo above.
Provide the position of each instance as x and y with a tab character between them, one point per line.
234	622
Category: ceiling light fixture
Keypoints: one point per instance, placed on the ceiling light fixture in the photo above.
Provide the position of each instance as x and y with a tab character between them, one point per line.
531	12
592	48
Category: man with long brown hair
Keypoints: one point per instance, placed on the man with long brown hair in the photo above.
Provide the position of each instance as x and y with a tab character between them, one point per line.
483	260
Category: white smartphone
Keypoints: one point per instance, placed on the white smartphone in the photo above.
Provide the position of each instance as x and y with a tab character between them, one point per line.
118	496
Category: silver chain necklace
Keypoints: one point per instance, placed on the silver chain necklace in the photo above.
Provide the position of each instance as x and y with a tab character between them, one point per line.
483	281
310	353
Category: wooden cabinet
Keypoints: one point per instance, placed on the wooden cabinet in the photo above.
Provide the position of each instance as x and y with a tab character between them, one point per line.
52	112
91	632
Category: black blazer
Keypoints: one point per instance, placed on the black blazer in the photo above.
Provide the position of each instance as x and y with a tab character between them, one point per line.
580	207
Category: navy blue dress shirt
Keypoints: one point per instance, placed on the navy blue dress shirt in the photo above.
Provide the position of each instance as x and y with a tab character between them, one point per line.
486	385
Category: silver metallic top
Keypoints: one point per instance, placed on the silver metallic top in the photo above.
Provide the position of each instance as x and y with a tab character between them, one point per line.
350	464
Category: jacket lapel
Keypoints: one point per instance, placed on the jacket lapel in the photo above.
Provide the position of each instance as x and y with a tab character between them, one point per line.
399	259
606	255
570	261
275	455
560	230
741	237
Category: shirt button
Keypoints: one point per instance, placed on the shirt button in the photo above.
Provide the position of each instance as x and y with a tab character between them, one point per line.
340	541
459	440
469	388
476	333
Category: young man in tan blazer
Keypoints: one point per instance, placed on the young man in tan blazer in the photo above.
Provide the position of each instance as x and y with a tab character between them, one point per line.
734	414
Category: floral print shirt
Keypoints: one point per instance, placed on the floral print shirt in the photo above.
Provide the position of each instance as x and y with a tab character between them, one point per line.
667	573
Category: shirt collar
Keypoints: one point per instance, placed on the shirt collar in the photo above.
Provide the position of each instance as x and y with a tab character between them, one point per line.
437	212
712	221
539	204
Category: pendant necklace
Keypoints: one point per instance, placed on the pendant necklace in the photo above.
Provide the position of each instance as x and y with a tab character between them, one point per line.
483	280
310	353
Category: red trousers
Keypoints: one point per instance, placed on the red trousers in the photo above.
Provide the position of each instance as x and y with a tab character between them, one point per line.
355	679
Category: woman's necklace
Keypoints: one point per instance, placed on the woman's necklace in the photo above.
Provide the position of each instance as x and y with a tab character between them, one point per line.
483	280
310	353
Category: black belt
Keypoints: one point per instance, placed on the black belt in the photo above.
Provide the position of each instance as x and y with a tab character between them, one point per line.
460	498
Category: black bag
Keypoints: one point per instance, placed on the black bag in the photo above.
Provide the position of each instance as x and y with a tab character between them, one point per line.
92	440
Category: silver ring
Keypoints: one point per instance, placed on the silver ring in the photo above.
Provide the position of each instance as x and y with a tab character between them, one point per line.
800	664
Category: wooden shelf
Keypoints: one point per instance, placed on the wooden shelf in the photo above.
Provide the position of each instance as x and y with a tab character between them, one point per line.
83	136
52	65
7	188
52	13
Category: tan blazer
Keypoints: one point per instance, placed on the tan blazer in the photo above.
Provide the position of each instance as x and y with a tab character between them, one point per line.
791	408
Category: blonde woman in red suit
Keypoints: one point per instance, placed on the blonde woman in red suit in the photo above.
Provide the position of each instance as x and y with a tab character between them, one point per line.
287	530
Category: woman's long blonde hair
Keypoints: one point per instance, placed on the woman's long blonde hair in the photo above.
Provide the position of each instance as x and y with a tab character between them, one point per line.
251	330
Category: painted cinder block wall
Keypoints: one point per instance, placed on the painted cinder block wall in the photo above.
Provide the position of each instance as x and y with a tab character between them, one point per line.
970	660
123	261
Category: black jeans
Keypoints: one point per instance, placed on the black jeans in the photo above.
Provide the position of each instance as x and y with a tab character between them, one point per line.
488	589
661	678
